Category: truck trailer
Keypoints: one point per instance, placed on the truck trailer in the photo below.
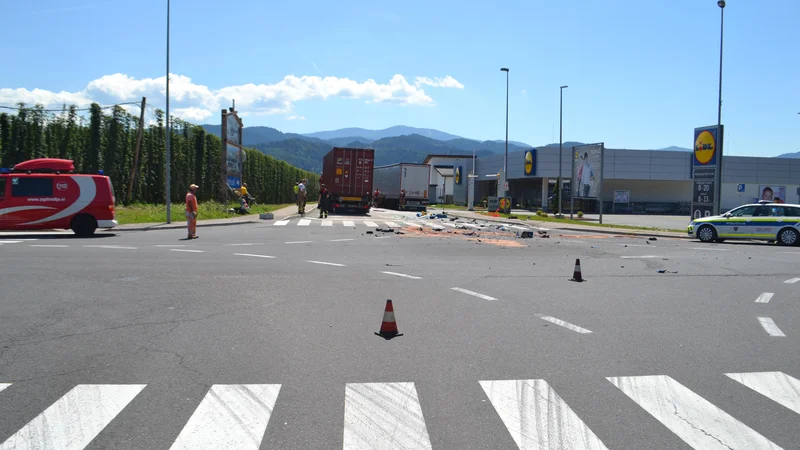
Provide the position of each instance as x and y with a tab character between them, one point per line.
413	178
347	174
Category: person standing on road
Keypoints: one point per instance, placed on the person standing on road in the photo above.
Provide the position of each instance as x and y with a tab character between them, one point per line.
402	199
375	198
191	211
301	197
324	202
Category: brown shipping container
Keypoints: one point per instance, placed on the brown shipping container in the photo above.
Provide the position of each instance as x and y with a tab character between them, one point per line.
347	173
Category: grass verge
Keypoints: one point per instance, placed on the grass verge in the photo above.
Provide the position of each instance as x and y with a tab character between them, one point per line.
551	219
146	213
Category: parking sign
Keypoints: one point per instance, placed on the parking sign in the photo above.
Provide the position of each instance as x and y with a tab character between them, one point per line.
740	187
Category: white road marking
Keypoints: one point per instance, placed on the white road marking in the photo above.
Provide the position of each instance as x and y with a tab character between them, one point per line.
253	255
382	237
383	416
392	225
765	297
640	257
341	240
115	247
370	224
518	227
710	249
694	419
171	245
448	224
326	263
230	417
49	245
280	223
792	280
298	242
474	294
769	326
471	225
10	242
413	224
348	223
402	275
186	250
776	386
564	324
327	223
303	223
3	386
537	417
74	419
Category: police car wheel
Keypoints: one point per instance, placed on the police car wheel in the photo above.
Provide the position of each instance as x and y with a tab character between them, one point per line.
788	236
706	234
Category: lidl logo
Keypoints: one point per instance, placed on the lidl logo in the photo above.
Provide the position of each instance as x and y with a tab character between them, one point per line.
458	174
528	163
704	147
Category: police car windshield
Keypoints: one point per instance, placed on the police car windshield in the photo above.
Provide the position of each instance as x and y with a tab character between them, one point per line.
743	211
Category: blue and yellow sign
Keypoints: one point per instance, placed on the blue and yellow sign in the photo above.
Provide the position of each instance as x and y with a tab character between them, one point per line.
457	174
530	162
705	146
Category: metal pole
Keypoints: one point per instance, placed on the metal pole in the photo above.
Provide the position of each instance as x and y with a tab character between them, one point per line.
560	150
169	194
720	137
505	157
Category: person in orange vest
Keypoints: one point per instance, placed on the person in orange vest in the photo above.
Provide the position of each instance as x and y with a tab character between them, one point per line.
191	211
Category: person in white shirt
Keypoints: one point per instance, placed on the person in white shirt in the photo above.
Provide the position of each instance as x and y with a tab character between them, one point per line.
585	176
301	197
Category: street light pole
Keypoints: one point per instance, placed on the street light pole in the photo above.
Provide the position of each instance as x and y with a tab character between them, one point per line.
720	138
560	151
505	157
169	194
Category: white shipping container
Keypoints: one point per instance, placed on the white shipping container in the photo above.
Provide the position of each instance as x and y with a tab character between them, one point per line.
414	178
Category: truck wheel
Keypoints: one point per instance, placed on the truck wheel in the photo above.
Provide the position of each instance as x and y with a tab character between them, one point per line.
84	225
706	233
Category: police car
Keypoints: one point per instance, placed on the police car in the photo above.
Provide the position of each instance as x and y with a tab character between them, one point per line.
766	221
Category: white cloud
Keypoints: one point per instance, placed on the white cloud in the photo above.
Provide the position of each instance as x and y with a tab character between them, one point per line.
446	82
197	102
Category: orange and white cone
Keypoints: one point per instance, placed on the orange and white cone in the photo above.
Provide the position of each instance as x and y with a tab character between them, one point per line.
576	275
388	326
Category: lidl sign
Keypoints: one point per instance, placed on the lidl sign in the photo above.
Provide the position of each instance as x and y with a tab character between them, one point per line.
705	146
530	162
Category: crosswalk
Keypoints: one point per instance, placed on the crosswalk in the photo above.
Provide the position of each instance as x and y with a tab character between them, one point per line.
390	415
397	224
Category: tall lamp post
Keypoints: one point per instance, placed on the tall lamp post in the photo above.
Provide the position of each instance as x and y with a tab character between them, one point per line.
560	152
505	157
169	194
718	178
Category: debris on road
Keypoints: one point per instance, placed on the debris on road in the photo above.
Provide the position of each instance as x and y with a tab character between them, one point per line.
667	271
385	230
369	232
652	239
526	235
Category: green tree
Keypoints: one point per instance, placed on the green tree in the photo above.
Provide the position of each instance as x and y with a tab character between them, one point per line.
92	160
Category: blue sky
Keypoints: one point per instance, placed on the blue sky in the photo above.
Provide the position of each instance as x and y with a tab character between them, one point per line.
640	74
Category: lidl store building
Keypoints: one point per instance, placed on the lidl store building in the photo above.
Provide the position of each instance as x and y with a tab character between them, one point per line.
657	181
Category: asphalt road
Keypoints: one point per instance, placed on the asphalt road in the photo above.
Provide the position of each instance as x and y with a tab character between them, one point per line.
262	336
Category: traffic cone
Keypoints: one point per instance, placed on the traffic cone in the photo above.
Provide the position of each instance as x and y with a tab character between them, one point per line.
576	275
388	326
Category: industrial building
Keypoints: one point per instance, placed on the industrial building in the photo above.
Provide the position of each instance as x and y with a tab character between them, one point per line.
656	181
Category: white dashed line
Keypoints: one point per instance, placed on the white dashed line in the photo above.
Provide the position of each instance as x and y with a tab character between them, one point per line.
474	294
298	242
792	280
49	245
348	223
765	297
341	240
566	325
326	263
254	256
392	225
246	244
770	327
327	223
402	275
303	223
114	247
10	242
185	250
370	224
280	223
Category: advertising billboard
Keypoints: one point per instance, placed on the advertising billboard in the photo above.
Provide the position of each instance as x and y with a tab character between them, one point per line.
775	194
587	169
530	162
706	161
232	154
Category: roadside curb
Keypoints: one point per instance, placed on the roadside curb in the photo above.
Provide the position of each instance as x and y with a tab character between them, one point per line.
555	226
220	223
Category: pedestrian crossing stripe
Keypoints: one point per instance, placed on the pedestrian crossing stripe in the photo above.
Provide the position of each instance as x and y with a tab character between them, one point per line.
388	224
390	415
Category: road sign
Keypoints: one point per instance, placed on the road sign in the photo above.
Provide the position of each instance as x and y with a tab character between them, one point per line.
505	185
740	187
